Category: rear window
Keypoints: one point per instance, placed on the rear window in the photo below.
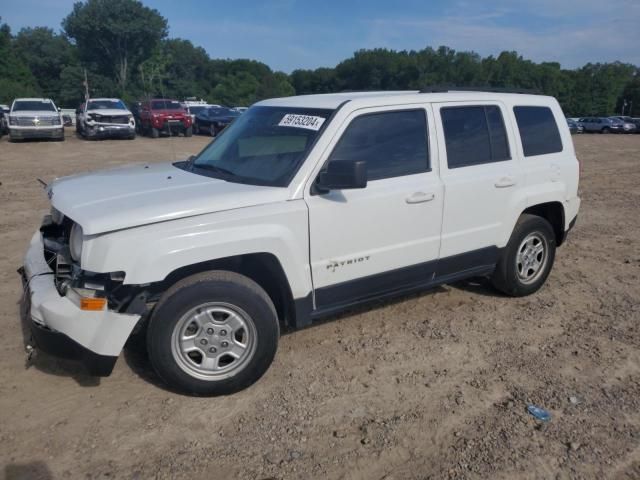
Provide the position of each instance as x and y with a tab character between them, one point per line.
474	135
538	131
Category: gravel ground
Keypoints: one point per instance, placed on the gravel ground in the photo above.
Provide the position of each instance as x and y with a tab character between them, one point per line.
429	386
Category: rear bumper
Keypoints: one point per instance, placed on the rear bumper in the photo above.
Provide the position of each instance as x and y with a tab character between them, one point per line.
25	133
60	327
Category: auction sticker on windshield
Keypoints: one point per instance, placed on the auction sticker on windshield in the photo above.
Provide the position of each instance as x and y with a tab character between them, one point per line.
301	121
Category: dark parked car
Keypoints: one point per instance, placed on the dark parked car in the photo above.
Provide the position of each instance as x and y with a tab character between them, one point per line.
213	120
574	127
4	119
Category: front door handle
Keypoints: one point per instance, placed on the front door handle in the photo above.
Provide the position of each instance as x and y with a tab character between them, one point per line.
421	197
505	182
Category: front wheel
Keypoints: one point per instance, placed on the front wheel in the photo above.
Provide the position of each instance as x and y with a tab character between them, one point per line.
155	133
527	259
212	130
188	131
213	334
605	130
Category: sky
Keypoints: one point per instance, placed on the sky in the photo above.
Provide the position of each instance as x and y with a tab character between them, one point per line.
291	34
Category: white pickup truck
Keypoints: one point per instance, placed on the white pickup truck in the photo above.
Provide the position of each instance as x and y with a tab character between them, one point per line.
303	207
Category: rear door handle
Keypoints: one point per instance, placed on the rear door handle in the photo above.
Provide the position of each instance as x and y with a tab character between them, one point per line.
505	182
420	197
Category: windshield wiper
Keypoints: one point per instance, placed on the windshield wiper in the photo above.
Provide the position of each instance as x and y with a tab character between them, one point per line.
214	168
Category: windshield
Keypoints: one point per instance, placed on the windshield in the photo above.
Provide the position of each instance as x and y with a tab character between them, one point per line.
166	105
222	112
34	106
105	105
197	109
264	146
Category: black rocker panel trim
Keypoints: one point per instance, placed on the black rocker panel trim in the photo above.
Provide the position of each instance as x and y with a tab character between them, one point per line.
402	281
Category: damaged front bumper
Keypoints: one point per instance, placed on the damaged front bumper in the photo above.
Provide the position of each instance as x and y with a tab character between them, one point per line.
61	328
110	130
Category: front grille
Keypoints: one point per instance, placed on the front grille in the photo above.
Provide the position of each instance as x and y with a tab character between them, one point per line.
37	121
119	119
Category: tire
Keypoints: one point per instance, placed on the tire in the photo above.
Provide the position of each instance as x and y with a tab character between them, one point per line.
518	276
605	130
196	129
188	132
195	307
155	133
212	130
132	136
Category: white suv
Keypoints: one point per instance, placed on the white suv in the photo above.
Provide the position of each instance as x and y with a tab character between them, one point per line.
303	207
105	118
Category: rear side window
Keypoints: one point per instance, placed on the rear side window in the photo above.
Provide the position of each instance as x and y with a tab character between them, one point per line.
474	135
392	143
538	131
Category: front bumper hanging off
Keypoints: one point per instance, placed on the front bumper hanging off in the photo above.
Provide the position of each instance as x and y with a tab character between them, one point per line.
60	328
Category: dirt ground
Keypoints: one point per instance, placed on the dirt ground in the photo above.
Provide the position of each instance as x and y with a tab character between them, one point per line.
426	387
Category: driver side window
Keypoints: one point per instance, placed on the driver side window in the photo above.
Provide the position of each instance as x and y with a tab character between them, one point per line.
392	143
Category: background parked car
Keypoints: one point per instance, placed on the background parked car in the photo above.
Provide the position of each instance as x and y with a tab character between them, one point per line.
165	116
35	118
601	125
630	125
105	117
4	119
213	120
574	127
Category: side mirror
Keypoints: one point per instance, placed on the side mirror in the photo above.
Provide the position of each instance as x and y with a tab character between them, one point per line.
341	175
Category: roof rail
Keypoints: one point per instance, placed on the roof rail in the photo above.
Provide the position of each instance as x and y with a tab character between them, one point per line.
450	88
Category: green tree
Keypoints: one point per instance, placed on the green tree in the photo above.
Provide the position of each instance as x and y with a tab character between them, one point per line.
46	54
16	80
115	35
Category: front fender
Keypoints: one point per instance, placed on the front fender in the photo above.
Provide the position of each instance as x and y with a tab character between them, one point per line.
150	253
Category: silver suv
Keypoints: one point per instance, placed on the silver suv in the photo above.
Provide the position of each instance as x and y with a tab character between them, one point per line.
35	118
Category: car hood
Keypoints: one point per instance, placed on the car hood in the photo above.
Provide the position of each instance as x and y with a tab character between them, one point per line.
110	112
34	113
143	194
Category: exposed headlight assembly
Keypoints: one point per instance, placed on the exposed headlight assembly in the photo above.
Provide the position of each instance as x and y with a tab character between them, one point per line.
75	242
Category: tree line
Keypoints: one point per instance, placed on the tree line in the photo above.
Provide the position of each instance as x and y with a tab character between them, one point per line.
123	47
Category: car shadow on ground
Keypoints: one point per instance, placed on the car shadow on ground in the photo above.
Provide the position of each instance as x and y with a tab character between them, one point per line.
46	363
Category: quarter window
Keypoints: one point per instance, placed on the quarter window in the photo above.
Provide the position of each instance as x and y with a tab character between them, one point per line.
538	131
392	143
474	135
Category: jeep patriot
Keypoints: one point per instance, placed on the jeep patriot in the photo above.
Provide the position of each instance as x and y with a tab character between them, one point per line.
302	207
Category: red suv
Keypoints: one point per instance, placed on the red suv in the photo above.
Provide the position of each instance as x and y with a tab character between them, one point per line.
164	116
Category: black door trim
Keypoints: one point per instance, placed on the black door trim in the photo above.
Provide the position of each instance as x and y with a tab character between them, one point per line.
344	295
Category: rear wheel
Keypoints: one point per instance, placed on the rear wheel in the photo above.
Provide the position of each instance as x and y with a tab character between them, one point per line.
527	259
213	334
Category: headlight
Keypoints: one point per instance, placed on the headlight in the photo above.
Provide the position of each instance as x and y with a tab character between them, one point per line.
75	242
57	121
